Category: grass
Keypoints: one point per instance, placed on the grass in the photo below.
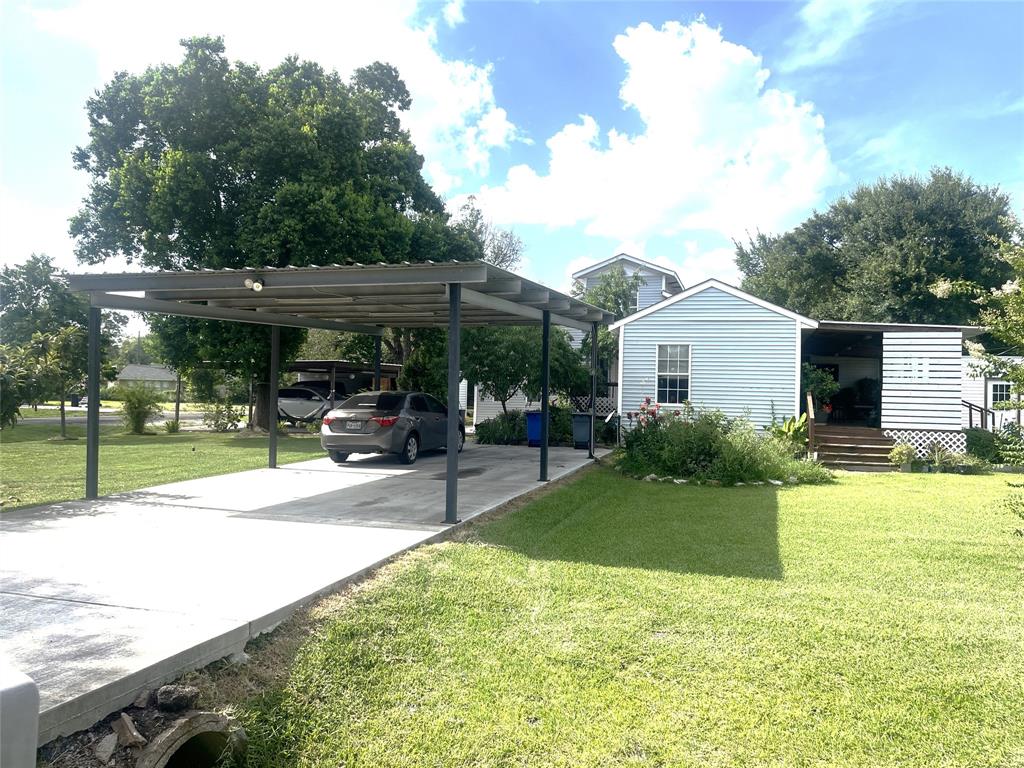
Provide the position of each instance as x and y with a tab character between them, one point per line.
877	621
36	467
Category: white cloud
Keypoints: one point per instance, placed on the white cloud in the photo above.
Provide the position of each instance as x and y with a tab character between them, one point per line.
828	26
719	151
454	121
453	13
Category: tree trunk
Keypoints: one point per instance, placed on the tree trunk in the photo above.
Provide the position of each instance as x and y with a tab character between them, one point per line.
259	417
63	420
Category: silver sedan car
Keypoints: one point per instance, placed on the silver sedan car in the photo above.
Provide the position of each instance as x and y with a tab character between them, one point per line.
404	423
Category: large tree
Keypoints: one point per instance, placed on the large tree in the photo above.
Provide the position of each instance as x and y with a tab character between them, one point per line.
209	164
45	327
874	254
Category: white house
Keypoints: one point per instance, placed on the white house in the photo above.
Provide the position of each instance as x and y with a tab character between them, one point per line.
718	347
982	394
656	284
156	377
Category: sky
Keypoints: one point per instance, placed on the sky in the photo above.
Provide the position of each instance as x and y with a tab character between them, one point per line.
665	130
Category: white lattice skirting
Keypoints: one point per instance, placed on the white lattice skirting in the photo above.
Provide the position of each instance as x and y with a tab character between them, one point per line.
923	439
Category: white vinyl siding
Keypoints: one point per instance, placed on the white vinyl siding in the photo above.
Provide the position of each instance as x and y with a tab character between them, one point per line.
921	380
743	357
488	407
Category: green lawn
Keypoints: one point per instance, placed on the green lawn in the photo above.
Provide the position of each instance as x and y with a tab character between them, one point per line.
878	621
36	469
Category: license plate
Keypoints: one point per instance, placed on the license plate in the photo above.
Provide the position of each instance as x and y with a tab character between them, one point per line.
353	425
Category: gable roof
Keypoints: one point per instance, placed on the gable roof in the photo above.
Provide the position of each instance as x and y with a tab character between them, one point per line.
626	257
806	322
137	372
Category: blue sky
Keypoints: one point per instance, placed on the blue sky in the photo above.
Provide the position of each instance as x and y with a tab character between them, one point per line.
665	129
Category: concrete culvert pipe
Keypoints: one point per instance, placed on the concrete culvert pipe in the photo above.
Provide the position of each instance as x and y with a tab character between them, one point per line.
197	740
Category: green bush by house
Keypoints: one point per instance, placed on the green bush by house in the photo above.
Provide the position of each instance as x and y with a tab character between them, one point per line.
708	446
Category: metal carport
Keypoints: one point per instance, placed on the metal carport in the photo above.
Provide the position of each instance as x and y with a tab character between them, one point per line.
361	298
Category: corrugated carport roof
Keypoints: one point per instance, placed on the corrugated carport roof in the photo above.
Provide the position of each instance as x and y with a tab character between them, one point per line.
364	298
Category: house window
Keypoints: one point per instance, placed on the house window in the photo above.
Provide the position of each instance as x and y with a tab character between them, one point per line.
1000	392
673	373
634	303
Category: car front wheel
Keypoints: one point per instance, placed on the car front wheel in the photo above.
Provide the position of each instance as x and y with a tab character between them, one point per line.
411	450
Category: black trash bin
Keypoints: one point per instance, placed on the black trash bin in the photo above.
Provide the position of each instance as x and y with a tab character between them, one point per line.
581	430
76	400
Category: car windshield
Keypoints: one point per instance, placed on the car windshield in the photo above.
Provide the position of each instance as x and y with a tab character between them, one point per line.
381	401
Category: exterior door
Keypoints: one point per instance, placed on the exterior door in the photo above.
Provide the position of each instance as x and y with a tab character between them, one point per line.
440	414
429	432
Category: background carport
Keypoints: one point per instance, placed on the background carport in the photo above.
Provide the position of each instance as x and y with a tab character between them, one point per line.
359	298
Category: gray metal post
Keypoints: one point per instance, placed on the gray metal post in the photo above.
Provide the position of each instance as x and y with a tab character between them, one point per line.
593	385
376	362
92	417
545	398
334	383
451	480
275	365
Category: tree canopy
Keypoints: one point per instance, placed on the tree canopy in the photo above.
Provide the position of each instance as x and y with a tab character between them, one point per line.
1002	313
875	253
212	164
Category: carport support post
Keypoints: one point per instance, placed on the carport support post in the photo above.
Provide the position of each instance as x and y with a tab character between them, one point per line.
92	417
545	397
275	365
376	363
451	479
593	385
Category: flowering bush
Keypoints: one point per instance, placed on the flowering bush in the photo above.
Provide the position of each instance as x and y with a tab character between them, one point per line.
706	445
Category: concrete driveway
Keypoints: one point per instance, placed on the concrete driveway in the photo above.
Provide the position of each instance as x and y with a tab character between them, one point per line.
101	600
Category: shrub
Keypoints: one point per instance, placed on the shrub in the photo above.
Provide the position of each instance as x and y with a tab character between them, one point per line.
982	443
172	426
504	429
138	407
939	456
902	453
112	392
1010	444
792	430
221	417
966	464
705	445
1014	504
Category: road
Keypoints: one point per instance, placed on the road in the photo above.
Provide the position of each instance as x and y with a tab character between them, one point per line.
106	417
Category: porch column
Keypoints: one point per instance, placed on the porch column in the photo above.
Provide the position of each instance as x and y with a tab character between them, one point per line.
92	417
451	478
376	363
545	404
593	385
275	364
334	383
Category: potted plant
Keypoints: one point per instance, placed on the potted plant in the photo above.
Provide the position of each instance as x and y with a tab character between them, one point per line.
821	386
902	455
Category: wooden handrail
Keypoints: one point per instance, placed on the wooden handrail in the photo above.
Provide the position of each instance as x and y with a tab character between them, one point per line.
986	414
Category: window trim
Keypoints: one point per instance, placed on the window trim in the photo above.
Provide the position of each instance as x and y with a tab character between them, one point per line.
689	371
992	392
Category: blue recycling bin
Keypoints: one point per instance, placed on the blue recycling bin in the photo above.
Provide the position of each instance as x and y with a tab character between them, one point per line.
533	424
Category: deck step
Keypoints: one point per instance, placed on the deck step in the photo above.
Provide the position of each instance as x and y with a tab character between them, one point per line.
859	466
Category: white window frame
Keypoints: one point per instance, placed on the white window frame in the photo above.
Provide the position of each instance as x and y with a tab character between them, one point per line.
688	374
992	392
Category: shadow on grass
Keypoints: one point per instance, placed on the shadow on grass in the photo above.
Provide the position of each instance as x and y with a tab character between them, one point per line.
608	520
